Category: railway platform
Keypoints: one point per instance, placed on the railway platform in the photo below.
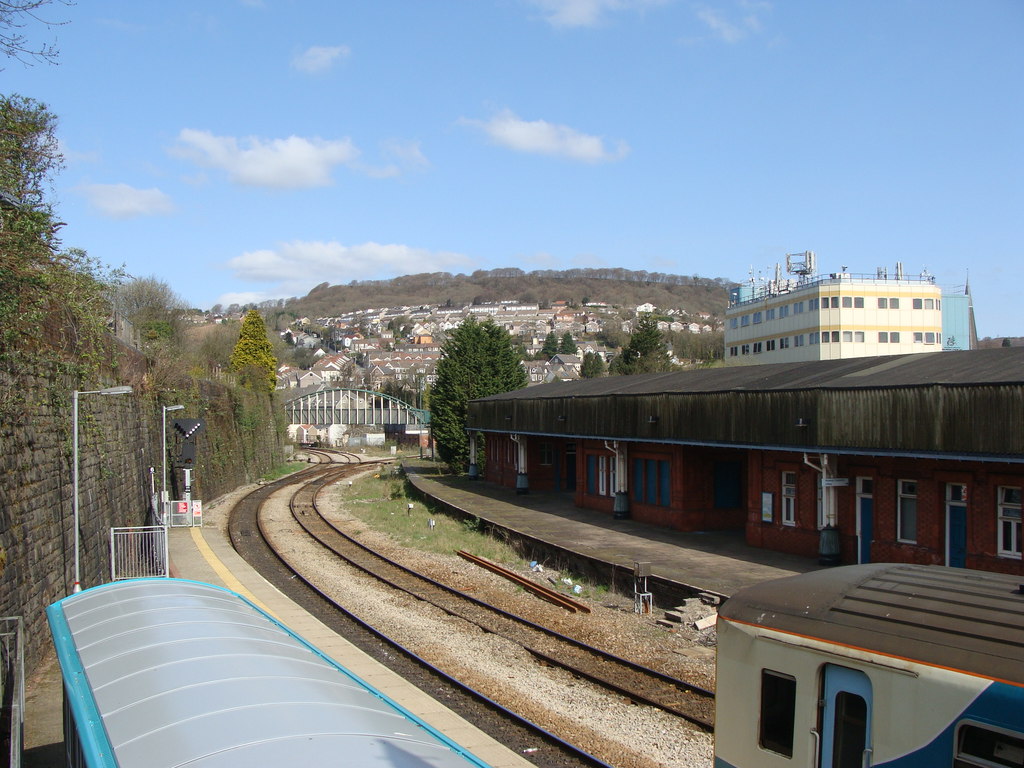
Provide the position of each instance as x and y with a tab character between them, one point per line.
205	554
718	562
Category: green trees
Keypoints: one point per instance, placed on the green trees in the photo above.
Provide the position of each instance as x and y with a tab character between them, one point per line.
155	310
253	358
645	352
593	366
567	345
28	229
478	359
550	348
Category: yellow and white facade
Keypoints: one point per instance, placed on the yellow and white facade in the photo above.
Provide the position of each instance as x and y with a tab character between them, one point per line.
831	317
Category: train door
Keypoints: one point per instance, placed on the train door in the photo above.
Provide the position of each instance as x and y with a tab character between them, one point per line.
956	525
865	518
846	719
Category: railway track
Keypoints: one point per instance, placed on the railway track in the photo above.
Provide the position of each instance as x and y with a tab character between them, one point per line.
627	678
535	742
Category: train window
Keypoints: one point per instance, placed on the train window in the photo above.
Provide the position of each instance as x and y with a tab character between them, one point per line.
977	745
778	712
850	730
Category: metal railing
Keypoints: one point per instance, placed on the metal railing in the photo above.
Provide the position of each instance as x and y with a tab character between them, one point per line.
12	689
137	553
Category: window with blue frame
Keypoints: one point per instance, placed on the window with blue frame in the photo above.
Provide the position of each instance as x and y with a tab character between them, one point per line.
652	482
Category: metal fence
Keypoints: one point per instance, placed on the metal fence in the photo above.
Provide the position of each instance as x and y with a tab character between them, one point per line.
136	553
185	514
12	690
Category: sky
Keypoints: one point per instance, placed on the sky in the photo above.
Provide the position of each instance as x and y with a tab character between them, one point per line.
246	150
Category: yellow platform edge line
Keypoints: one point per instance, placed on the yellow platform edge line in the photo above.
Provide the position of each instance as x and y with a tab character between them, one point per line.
229	579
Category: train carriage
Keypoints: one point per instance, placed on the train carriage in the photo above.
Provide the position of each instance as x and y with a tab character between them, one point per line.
167	672
901	666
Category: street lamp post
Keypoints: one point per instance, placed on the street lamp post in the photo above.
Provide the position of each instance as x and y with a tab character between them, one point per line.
123	390
163	463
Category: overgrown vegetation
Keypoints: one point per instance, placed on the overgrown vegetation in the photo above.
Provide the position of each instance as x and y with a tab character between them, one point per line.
381	501
52	302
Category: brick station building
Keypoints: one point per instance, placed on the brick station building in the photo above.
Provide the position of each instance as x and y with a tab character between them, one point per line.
912	458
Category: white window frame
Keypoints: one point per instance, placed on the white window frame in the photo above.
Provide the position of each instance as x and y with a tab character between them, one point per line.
901	495
1009	523
788	498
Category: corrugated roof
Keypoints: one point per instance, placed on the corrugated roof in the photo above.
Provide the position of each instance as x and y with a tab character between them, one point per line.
183	673
950	617
1004	365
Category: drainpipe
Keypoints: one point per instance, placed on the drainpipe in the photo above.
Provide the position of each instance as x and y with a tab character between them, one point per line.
828	541
620	511
522	483
474	470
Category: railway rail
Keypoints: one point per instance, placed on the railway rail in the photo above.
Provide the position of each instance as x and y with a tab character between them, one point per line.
501	723
627	678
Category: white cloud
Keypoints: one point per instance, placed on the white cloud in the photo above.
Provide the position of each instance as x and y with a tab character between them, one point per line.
295	267
543	138
242	298
319	58
587	13
121	201
290	163
400	157
735	31
72	156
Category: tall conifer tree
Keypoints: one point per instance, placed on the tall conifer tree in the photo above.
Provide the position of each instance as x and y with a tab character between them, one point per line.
253	358
479	359
645	352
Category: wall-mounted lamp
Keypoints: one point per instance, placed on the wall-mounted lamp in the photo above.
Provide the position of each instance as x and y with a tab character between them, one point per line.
652	419
561	417
802	422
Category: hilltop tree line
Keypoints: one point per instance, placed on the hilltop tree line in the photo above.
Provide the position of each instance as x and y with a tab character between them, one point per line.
622	288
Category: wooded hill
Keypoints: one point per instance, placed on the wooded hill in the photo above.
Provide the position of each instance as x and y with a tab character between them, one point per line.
616	287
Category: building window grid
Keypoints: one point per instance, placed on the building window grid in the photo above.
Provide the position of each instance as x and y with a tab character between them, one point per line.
906	511
789	498
1009	521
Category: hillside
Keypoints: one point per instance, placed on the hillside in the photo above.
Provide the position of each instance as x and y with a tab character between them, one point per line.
618	287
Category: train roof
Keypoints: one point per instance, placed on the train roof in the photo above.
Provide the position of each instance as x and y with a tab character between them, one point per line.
166	672
960	619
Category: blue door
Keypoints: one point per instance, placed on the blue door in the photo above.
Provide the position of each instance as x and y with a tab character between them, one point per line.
865	518
846	719
956	525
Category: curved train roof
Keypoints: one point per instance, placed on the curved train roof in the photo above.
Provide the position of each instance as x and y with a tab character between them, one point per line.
950	617
184	673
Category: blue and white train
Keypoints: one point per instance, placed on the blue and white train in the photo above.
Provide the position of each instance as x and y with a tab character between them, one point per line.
901	666
166	672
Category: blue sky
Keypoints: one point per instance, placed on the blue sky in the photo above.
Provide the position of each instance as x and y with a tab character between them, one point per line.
243	150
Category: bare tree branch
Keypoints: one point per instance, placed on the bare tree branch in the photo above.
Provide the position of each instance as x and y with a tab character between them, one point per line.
16	15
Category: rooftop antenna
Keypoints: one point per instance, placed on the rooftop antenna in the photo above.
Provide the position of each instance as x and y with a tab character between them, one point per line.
803	264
